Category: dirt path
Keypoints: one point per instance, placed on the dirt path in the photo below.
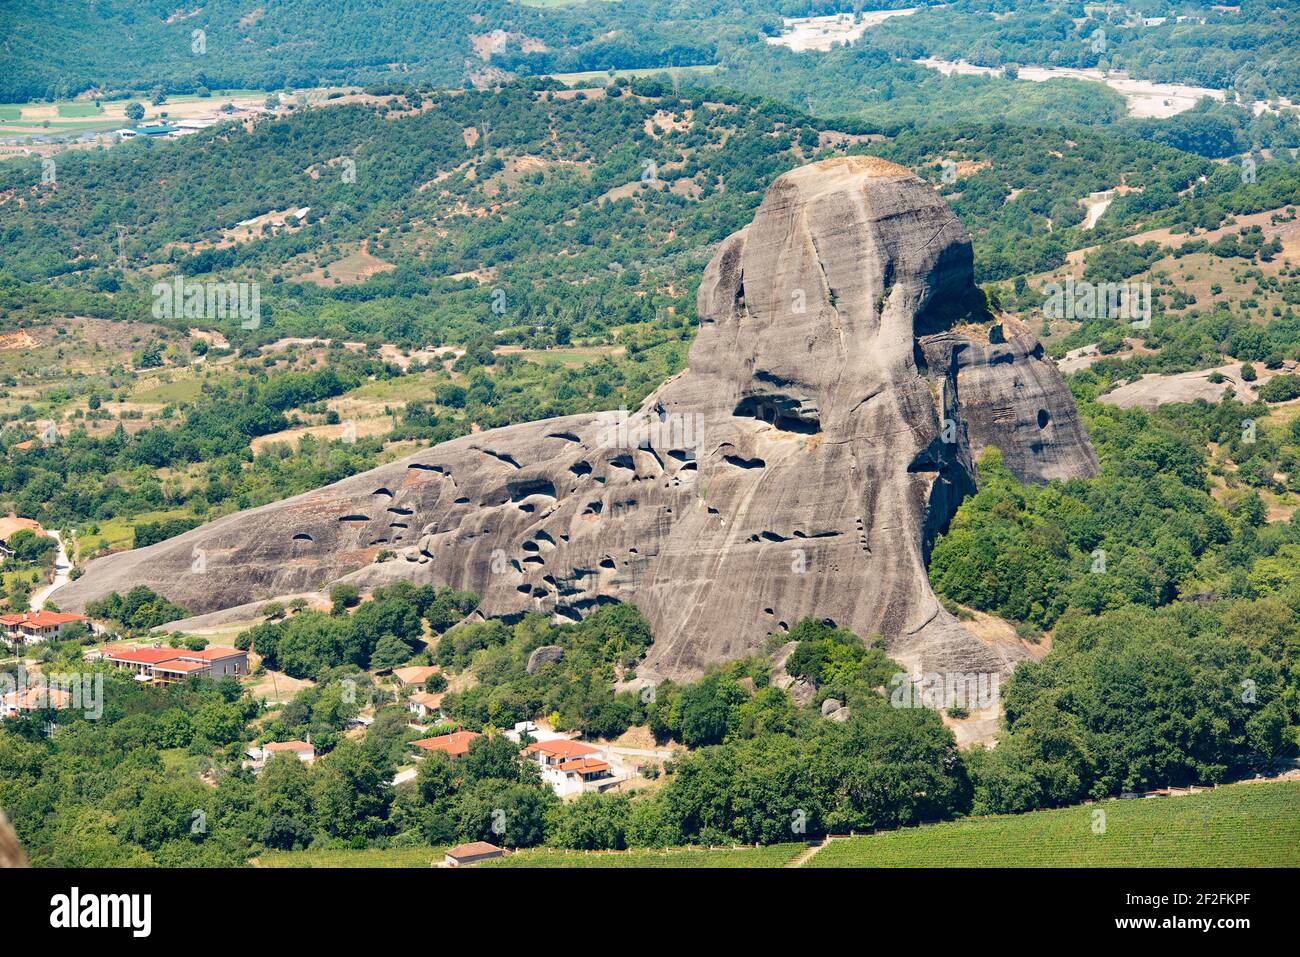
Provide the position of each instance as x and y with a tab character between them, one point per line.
807	854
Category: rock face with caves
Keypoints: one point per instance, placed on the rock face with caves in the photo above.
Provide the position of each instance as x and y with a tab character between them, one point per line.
837	396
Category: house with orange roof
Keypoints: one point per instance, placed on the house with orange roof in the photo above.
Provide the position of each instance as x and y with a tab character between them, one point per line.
455	744
11	523
177	664
304	751
425	705
415	675
32	626
471	853
571	767
35	697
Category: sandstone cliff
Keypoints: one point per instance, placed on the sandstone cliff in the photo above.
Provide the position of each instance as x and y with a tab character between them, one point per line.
824	432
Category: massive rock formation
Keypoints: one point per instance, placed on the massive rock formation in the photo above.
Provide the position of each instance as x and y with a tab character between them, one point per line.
837	395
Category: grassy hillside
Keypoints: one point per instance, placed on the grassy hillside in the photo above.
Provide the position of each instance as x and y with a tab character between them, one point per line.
1254	825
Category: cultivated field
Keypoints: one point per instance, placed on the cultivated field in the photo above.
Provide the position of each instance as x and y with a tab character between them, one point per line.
1246	825
390	857
775	855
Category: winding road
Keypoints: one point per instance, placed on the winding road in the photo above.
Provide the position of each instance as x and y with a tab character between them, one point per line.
62	569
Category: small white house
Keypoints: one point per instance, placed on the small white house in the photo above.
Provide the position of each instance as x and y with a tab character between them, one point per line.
303	750
425	705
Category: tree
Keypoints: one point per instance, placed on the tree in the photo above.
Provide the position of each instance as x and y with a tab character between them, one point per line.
134	112
343	597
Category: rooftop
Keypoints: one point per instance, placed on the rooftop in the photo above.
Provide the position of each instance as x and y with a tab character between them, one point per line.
561	748
473	849
294	746
415	674
40	619
455	744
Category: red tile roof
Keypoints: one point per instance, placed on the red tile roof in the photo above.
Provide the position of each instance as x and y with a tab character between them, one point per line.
584	766
180	664
40	619
214	653
561	748
415	674
295	746
455	744
36	697
145	656
473	849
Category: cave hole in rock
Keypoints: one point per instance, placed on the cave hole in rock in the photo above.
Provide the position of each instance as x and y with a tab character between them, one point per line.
581	467
382	491
566	436
505	457
1043	418
607	562
354	518
303	537
522	490
531	547
398	510
781	412
463	500
743	463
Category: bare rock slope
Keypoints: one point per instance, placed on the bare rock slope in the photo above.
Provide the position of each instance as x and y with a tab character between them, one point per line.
824	432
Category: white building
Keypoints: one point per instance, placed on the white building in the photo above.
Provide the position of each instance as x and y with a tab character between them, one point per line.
571	767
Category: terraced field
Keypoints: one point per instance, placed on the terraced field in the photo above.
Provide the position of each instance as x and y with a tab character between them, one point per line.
1248	825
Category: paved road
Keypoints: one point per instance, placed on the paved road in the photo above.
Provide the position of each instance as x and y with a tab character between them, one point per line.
62	568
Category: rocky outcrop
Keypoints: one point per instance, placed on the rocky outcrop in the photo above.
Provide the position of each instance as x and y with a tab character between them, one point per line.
544	655
837	395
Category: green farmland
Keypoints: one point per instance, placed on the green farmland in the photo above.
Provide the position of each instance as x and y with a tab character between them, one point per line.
775	855
1249	825
370	857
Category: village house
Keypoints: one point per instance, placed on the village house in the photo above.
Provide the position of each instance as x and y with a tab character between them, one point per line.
471	853
37	697
304	751
571	767
415	675
177	664
425	705
11	524
31	626
454	744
